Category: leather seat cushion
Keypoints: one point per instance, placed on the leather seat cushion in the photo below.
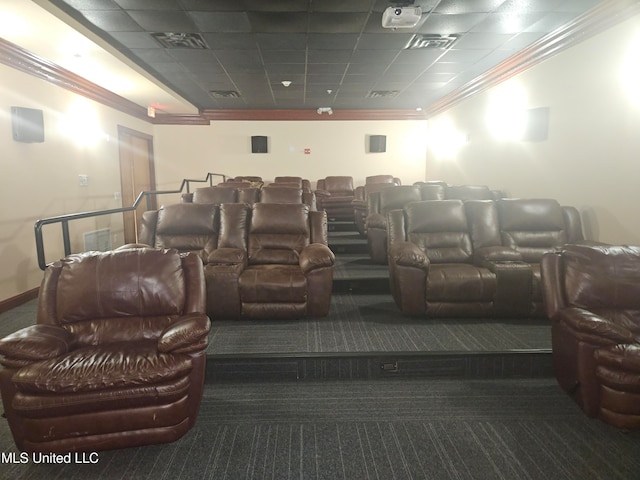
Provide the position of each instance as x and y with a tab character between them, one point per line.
460	282
102	367
273	284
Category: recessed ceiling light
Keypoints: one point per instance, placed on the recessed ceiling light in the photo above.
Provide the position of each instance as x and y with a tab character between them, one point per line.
286	83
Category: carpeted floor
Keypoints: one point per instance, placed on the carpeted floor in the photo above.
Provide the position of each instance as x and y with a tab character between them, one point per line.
382	429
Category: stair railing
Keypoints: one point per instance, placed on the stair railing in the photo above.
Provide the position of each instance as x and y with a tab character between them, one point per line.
64	220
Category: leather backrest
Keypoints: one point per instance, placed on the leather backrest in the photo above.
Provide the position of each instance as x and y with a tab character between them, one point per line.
281	195
603	277
379	179
531	226
397	197
432	192
289	179
215	195
468	192
440	228
188	227
278	233
339	185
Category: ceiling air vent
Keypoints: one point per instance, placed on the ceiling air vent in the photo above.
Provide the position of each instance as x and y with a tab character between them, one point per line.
382	93
180	40
224	94
431	41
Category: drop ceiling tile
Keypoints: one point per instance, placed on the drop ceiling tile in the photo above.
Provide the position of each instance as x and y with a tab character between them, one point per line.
464	56
233	22
507	22
163	21
135	39
456	6
285	69
366	69
334	41
550	22
326	68
112	21
285	22
276	5
149	4
281	41
93	4
284	56
383	41
326	79
213	5
329	56
337	22
228	40
446	24
423	57
483	41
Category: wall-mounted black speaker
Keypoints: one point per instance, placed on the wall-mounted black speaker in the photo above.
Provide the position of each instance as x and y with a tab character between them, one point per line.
537	127
377	143
259	144
28	125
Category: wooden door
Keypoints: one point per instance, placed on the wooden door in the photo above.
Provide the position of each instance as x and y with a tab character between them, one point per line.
136	175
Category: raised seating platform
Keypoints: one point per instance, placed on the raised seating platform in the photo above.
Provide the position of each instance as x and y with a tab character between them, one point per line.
364	335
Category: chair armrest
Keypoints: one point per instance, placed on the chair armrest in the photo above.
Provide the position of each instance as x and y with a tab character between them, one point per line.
187	334
593	328
376	220
408	254
228	256
314	256
35	343
485	256
358	193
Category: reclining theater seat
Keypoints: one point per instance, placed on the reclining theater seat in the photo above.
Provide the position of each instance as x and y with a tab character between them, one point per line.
382	202
360	203
272	261
431	266
187	227
116	357
334	195
286	193
218	194
592	297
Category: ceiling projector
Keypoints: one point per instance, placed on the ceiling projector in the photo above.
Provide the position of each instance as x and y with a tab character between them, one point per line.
401	17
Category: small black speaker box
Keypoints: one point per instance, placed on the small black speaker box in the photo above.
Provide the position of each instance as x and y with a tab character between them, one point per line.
378	143
28	125
259	144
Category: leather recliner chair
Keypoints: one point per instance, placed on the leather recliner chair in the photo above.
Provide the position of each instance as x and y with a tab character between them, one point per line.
373	183
592	297
272	261
334	195
220	194
116	357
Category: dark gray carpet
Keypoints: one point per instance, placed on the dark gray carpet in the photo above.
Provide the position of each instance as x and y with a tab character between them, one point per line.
372	323
383	429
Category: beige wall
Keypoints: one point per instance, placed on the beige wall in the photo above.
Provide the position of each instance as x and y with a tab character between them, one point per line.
592	156
336	148
41	179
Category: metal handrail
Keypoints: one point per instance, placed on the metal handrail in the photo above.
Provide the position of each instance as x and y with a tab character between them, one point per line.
65	219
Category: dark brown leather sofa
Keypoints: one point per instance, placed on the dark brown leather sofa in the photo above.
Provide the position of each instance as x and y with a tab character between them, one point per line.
476	258
592	297
272	261
116	357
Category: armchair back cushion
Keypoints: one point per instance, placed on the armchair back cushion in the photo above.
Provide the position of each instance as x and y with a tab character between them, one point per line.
439	227
339	185
278	233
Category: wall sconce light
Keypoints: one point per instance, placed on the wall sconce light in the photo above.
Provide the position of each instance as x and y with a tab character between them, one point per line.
322	110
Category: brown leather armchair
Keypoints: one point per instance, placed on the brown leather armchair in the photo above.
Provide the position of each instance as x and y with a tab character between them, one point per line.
592	297
334	195
116	357
373	183
272	261
218	194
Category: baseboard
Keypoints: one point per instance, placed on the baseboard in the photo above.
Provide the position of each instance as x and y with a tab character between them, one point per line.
13	302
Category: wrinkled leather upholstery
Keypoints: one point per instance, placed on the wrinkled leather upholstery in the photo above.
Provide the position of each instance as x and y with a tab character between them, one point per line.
272	261
117	355
218	194
592	297
287	193
382	202
373	183
301	183
474	258
334	195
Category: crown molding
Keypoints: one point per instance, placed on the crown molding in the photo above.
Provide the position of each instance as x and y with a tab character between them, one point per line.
17	57
603	16
591	23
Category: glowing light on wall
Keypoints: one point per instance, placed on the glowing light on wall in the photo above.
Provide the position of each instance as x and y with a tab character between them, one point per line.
13	26
507	112
630	71
81	123
444	139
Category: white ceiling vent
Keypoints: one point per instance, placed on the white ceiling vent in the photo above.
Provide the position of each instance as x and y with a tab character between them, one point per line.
430	40
224	94
180	40
382	93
